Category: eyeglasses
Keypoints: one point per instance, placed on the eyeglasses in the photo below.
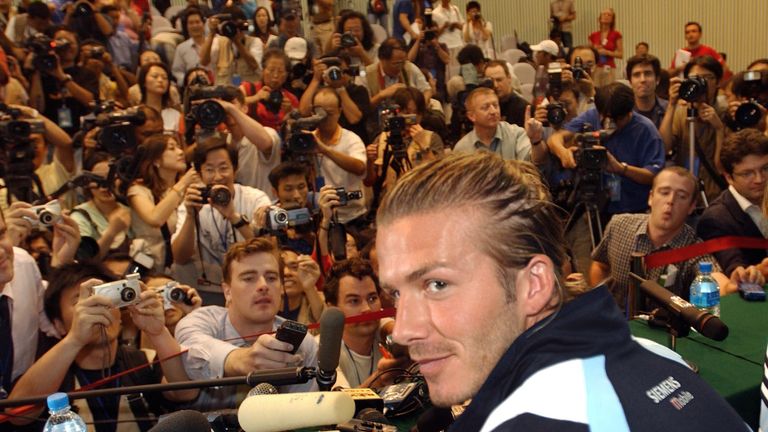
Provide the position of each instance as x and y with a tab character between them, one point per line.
708	77
751	174
275	72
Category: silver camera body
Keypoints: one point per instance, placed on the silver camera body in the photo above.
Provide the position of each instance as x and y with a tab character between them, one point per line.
123	292
171	293
48	214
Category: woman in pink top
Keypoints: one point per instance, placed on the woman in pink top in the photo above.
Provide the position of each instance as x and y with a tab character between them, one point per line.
609	45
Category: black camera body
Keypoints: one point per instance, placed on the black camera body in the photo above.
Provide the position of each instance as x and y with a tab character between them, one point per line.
274	101
346	196
430	35
301	143
348	40
590	165
117	135
219	196
693	89
229	26
44	48
754	87
209	114
556	114
83	10
578	69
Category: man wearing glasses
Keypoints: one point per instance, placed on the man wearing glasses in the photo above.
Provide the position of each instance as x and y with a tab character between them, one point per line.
737	211
708	127
268	101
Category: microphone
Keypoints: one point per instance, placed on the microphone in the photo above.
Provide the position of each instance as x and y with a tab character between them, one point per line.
434	420
275	413
184	420
704	322
262	389
331	331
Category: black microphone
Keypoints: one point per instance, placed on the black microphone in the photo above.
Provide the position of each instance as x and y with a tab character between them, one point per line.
704	322
184	420
331	331
434	420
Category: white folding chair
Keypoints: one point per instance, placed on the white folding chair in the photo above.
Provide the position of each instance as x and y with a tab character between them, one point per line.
525	73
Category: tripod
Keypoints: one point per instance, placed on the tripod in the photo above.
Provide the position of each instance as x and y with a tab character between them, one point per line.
396	158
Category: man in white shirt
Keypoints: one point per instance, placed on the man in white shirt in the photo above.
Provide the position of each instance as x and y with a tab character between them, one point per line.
234	59
449	26
206	229
187	54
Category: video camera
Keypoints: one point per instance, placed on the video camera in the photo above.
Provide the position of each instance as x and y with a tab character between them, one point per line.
44	48
281	219
301	143
394	123
117	136
590	165
17	153
753	86
229	26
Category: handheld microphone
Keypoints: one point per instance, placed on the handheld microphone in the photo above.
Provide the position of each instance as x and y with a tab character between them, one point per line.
262	389
274	413
184	420
704	322
331	331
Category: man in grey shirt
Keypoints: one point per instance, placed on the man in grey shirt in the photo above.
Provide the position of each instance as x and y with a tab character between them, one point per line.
235	340
496	136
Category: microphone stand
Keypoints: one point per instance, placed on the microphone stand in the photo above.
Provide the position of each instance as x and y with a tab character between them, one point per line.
276	377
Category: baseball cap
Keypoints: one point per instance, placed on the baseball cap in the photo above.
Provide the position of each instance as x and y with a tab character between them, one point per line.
296	48
547	46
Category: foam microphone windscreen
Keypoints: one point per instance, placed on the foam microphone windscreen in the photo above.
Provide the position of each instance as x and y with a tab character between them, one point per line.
331	331
274	413
184	420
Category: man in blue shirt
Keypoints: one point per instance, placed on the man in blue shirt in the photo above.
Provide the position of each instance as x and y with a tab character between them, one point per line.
635	151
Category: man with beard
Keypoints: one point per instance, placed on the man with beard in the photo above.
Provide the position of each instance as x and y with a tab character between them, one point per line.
471	248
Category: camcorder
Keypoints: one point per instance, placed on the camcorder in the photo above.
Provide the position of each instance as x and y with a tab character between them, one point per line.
280	219
754	87
395	124
230	26
45	50
117	136
17	153
301	142
590	165
220	196
124	292
693	89
346	196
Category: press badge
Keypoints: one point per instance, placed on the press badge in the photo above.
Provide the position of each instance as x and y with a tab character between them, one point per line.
65	117
671	273
614	187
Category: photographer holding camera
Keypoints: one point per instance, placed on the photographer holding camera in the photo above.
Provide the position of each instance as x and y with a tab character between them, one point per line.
215	214
230	52
427	52
87	22
748	101
268	100
112	83
333	70
634	150
60	88
355	36
700	105
392	72
477	30
36	20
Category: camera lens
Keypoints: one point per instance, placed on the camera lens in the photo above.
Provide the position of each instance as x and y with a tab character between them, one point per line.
209	114
221	196
693	89
46	218
555	114
748	114
334	74
228	29
274	101
281	217
177	295
128	295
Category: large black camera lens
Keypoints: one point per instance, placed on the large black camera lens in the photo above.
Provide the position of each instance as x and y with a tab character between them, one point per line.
302	143
748	114
693	89
347	40
274	101
221	196
83	10
555	114
228	29
334	73
44	62
210	114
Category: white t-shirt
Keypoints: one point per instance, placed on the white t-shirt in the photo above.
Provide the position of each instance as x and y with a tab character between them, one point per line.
451	38
216	233
253	167
350	144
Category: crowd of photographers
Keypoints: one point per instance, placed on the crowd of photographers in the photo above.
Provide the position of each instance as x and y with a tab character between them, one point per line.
237	168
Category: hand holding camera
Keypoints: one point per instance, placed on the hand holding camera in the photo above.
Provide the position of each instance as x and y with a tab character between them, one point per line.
193	199
308	273
147	312
66	240
91	315
120	293
318	69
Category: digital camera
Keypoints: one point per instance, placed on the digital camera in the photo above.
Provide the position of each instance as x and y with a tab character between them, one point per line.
228	26
123	292
219	196
693	89
48	214
345	197
172	293
348	40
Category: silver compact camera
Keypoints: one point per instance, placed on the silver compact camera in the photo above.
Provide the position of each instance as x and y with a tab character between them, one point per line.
172	293
123	292
48	214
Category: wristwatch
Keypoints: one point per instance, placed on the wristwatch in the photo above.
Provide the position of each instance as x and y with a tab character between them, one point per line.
624	170
241	223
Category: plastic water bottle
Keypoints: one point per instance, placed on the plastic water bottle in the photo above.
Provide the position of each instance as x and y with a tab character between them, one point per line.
62	419
705	294
540	86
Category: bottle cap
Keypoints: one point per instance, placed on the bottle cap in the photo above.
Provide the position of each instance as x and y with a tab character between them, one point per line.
705	266
58	401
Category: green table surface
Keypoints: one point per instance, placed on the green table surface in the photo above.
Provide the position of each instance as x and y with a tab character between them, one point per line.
734	367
